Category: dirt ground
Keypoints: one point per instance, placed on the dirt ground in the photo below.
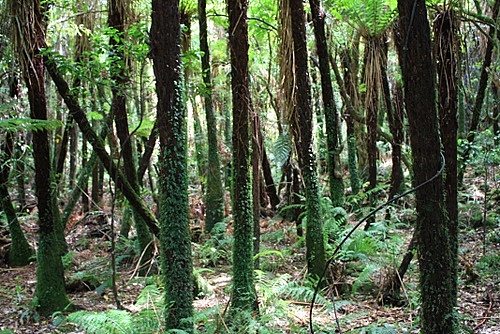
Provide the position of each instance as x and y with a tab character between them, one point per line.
479	297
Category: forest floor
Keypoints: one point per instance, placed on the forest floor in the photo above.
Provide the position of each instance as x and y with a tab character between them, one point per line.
478	301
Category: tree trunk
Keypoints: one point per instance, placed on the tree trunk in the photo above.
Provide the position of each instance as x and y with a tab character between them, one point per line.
50	294
371	69
434	251
268	179
483	84
243	287
174	204
20	250
349	95
301	126
395	118
446	44
331	116
256	182
118	68
214	195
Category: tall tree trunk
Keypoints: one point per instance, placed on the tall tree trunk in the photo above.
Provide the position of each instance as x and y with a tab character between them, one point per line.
372	81
483	84
434	251
214	196
301	126
256	181
50	291
116	19
395	119
243	286
446	46
349	95
331	116
174	204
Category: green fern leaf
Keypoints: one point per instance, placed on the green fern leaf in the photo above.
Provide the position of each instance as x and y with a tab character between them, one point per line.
281	149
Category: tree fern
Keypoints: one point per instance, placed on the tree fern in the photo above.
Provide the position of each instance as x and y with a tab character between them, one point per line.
370	17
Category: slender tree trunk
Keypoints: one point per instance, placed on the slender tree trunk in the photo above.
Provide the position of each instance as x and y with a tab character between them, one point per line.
256	182
372	51
116	20
446	44
301	125
268	178
214	195
331	116
434	251
350	97
20	250
395	118
85	189
243	287
172	130
483	84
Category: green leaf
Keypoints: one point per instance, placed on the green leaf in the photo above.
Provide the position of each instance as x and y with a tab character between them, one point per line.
20	124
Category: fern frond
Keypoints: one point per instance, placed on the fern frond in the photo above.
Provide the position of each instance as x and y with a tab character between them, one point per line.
109	322
281	149
151	295
21	124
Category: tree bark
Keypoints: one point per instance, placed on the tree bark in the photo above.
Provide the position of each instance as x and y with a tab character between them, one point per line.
214	195
173	181
118	69
50	294
483	83
20	250
446	44
330	109
434	252
301	126
243	287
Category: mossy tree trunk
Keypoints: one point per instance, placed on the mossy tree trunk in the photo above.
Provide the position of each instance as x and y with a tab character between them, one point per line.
301	126
173	181
20	250
446	52
243	287
433	239
330	109
50	294
214	197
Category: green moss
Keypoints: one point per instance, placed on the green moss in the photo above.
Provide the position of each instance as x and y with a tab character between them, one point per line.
50	294
314	229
